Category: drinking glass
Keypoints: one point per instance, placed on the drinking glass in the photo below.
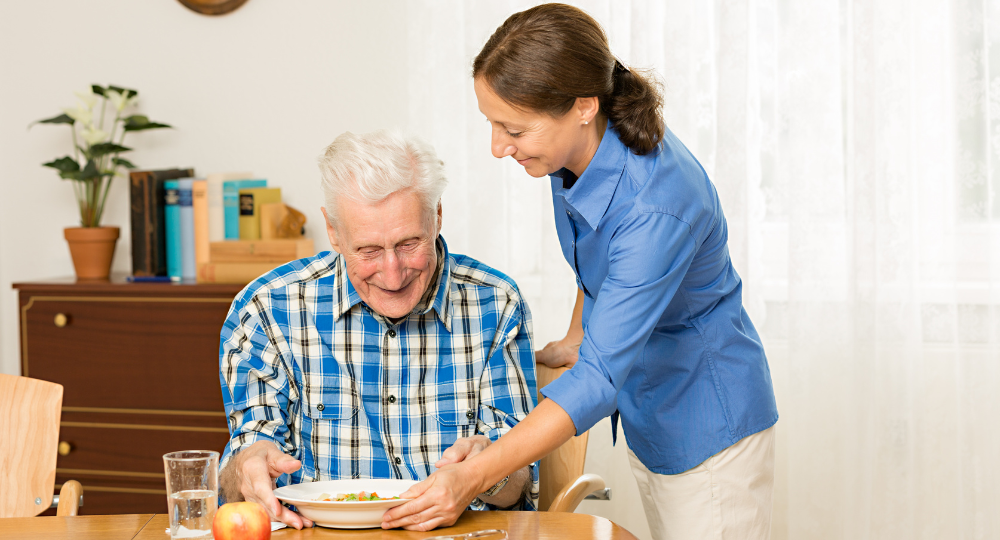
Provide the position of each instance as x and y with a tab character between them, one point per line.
192	492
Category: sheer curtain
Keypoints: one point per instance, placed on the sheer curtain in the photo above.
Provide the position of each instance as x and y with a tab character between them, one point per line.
856	148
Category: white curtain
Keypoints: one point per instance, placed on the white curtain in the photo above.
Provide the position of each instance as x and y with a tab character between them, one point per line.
856	148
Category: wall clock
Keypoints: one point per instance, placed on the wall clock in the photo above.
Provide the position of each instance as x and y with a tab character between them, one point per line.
212	7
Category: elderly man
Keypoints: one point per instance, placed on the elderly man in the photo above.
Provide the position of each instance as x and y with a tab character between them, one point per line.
385	359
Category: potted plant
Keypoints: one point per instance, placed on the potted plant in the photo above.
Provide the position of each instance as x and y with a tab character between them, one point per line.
94	163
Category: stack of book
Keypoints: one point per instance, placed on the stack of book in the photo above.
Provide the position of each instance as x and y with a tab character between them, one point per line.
209	229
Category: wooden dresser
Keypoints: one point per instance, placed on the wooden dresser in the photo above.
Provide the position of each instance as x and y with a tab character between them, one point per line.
140	370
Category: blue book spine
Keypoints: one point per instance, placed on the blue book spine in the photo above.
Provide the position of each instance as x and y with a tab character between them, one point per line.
231	203
184	198
171	214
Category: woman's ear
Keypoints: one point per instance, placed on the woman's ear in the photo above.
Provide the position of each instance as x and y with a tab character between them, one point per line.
586	108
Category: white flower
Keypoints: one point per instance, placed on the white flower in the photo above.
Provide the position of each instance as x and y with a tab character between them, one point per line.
119	100
88	97
80	114
93	135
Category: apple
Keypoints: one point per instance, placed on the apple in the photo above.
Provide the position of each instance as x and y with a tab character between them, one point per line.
241	521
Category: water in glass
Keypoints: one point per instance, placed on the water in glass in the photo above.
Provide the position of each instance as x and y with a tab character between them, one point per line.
191	513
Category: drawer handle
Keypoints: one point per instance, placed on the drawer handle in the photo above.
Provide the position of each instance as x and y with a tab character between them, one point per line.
65	448
61	320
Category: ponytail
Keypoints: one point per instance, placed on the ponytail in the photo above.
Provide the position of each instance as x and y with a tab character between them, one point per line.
545	57
633	107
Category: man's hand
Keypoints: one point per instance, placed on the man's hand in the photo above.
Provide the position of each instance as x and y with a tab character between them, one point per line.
559	353
438	501
250	476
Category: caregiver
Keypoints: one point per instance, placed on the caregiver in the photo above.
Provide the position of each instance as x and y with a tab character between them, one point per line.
659	334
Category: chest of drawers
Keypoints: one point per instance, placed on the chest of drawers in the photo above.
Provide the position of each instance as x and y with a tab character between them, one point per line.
139	367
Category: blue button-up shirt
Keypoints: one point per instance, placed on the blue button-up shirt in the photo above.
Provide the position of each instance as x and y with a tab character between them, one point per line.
305	364
666	339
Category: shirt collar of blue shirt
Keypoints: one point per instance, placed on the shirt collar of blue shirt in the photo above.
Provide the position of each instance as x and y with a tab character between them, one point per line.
591	194
442	297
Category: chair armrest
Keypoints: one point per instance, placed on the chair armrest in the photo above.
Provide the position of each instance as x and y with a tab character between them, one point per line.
70	498
570	496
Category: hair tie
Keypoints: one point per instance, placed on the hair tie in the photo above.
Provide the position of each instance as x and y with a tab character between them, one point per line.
620	66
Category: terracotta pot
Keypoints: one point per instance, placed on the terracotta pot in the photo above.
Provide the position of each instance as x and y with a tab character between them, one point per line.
92	249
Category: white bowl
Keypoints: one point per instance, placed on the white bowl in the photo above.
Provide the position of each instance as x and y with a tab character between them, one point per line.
344	514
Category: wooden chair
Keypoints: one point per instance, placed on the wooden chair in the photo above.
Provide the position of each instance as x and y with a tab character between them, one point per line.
29	437
562	484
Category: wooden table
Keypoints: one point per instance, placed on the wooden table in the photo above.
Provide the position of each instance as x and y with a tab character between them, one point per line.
519	525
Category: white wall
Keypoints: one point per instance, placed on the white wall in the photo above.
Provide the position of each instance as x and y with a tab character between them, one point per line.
264	88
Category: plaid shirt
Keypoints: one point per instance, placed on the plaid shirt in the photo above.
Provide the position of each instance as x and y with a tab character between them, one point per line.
307	365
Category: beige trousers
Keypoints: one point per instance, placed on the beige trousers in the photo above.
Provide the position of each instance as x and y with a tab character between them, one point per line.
728	496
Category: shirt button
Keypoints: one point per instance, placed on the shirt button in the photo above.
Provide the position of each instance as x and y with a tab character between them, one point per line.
398	461
392	399
568	213
470	415
320	407
392	333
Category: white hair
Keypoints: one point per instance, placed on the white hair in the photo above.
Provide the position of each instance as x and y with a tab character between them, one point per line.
372	166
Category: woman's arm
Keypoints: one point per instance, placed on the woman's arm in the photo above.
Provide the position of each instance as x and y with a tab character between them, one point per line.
564	352
441	498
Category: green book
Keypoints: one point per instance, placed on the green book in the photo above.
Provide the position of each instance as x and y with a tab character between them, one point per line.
250	203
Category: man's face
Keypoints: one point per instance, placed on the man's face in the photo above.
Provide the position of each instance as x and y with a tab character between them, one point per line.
390	250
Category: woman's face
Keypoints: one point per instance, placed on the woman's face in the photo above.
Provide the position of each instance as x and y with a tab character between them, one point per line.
540	143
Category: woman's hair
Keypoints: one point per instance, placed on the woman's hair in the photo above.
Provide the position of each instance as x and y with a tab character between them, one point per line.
372	166
543	58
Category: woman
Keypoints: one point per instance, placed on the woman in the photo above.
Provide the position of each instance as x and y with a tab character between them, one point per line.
659	335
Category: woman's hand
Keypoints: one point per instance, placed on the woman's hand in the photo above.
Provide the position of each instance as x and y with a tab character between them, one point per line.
463	449
438	501
559	353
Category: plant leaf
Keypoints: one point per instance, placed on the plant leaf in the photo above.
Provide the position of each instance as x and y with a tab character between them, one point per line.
124	162
139	122
61	119
127	92
103	149
63	164
89	171
97	89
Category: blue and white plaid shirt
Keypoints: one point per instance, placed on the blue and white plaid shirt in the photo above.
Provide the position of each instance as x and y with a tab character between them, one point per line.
306	364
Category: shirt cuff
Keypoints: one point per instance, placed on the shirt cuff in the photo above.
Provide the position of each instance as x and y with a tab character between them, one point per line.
585	394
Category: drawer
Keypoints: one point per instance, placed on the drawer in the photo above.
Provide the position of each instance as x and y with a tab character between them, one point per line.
117	496
106	445
126	352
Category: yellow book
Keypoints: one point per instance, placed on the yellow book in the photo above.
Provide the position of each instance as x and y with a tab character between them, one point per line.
199	203
250	202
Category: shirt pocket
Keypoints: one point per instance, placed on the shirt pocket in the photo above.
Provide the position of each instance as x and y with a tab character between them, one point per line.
331	402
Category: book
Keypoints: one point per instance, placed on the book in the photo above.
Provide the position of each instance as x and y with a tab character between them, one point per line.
278	220
261	251
216	212
186	214
250	202
149	241
199	205
172	219
241	273
231	204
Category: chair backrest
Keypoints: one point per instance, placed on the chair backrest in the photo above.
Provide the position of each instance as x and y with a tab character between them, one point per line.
565	464
29	438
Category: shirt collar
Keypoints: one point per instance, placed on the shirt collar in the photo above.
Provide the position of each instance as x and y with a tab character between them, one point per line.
591	194
346	297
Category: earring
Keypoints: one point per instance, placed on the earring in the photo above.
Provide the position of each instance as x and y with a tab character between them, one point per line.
586	122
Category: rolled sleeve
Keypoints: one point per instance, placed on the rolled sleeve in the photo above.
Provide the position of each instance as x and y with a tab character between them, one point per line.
641	282
255	385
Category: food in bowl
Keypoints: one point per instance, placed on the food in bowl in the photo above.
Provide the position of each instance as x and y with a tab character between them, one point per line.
349	497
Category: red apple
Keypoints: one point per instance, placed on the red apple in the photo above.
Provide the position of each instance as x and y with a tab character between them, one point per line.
241	521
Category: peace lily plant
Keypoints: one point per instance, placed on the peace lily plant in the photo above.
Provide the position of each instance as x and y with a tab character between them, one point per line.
96	160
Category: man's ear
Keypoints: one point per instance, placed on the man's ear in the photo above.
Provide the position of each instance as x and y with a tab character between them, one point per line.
439	219
331	231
